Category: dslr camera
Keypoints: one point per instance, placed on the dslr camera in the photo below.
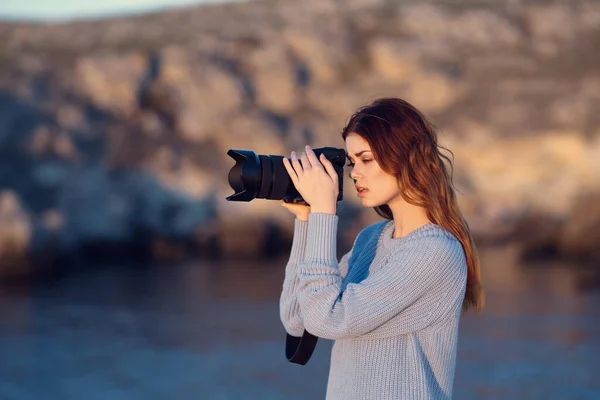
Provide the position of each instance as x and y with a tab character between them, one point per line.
257	176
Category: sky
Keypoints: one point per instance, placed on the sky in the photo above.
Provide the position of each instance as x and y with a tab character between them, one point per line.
62	10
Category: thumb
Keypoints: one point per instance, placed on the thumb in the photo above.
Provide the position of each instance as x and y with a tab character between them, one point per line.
289	206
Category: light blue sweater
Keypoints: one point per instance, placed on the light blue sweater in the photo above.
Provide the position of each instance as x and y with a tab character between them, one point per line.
392	306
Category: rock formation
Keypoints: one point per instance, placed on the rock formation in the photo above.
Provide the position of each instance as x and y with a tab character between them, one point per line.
116	131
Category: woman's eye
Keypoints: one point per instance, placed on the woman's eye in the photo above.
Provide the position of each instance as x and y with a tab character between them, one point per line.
351	164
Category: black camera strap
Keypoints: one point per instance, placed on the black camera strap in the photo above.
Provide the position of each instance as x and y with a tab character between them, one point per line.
299	349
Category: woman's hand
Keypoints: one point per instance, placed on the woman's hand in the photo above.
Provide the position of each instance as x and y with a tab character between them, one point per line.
315	179
301	211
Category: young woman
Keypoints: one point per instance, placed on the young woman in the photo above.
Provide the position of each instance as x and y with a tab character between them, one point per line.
391	304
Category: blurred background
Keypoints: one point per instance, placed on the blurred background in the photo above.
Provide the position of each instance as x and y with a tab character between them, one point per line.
124	272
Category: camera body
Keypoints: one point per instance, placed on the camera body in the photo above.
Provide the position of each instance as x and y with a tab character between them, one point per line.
265	177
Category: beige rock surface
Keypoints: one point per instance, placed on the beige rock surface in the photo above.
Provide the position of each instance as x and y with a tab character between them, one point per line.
92	133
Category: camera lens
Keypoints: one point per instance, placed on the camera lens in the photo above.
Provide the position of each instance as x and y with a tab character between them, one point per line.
258	176
265	177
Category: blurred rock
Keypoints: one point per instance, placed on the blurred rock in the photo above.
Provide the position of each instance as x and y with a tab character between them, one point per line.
392	61
580	236
251	238
15	233
114	132
475	27
543	177
275	79
321	59
575	236
206	94
110	81
127	207
538	235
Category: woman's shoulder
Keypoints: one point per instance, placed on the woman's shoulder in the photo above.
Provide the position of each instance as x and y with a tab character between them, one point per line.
432	236
439	234
427	239
434	243
427	235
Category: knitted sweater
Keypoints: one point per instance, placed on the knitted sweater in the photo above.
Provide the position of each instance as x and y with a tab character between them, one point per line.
392	306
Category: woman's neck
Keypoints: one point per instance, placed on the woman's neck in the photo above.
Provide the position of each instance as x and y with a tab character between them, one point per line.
407	218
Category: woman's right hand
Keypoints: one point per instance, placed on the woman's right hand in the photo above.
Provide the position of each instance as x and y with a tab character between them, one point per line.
301	211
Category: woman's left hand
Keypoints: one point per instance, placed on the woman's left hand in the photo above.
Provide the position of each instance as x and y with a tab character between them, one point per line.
315	179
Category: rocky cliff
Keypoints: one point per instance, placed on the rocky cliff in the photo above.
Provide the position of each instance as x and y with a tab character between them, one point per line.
114	133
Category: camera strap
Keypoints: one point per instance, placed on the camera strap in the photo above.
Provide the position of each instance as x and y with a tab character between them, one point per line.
299	349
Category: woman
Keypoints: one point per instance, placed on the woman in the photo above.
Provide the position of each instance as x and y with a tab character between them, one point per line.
391	304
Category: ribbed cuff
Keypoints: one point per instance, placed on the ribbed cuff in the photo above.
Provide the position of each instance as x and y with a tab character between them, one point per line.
322	237
299	241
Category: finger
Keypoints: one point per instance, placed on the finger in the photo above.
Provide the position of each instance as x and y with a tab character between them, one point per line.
329	168
312	157
290	170
296	164
304	160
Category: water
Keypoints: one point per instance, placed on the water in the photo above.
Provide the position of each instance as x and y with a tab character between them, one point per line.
207	330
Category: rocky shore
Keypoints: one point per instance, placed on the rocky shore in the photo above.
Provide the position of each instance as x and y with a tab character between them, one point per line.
114	133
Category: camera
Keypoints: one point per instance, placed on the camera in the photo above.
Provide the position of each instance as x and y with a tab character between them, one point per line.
265	177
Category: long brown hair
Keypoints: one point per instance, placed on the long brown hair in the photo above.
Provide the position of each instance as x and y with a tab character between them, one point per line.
404	143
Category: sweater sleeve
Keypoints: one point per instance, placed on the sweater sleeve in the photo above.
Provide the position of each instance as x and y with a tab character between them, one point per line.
401	290
289	308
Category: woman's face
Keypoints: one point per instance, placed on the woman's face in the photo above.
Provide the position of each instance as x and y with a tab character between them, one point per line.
380	187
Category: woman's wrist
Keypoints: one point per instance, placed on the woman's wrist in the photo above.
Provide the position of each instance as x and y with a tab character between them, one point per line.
323	210
325	207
